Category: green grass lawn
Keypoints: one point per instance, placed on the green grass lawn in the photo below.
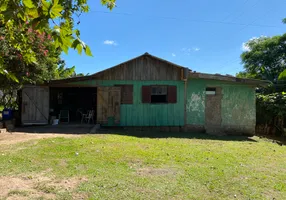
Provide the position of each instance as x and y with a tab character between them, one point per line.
125	167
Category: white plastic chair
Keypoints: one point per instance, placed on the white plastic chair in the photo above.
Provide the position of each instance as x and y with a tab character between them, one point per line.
87	117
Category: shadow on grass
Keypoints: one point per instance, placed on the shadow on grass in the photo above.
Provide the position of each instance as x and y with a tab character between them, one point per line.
182	135
281	140
58	129
85	129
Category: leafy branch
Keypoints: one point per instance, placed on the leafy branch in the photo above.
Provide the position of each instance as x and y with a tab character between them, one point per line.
17	16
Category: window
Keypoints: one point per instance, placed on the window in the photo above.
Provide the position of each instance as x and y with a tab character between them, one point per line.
126	94
211	91
159	94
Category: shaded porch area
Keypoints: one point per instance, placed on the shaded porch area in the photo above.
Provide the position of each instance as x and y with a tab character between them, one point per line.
73	102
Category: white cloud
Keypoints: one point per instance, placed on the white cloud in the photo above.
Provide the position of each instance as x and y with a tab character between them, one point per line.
174	55
188	51
110	42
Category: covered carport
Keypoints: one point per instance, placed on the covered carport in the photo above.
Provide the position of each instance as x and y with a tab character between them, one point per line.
40	104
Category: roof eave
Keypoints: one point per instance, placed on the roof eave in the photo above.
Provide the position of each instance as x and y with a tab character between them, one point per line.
219	77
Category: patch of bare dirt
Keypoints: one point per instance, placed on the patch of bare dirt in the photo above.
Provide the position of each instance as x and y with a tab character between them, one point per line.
135	163
16	137
141	170
149	171
29	187
63	163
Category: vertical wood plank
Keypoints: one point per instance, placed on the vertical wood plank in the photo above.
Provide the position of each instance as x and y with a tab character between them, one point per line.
35	105
143	68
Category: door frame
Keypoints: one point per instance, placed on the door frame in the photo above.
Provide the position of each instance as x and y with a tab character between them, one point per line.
213	127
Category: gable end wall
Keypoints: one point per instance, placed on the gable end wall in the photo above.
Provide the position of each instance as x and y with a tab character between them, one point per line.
142	69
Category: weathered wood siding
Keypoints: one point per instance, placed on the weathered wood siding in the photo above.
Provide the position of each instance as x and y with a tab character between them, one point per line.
35	105
144	68
108	105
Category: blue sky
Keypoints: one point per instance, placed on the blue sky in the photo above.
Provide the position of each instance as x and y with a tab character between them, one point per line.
204	35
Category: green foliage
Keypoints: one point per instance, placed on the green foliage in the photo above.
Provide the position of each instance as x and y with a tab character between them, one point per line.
266	57
65	72
275	103
8	75
282	76
33	33
245	75
271	110
48	66
59	16
284	20
44	59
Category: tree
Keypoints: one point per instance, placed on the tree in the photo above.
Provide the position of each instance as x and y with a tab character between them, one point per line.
18	16
44	52
48	66
79	74
63	72
271	112
265	57
245	74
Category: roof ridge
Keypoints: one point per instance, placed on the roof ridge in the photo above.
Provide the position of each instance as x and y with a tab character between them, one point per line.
145	54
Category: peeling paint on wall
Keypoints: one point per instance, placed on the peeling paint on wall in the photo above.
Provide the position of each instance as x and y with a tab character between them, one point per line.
196	106
195	102
238	111
238	106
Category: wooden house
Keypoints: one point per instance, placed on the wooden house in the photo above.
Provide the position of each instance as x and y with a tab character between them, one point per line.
148	91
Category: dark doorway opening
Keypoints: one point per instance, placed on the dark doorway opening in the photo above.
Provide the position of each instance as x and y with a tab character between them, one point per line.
75	100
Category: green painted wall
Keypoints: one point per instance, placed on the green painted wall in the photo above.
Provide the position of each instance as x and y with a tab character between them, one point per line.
195	102
139	114
238	106
238	103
